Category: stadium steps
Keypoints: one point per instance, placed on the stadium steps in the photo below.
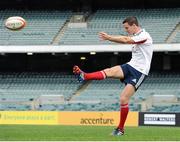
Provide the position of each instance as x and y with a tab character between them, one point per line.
90	17
80	90
173	34
177	38
61	32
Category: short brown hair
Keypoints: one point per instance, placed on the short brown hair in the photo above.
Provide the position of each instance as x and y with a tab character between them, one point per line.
131	20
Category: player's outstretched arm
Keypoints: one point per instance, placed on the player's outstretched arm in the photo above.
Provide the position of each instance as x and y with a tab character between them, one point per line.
118	39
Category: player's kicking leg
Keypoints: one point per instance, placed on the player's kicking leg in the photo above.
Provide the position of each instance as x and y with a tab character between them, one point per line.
80	74
114	72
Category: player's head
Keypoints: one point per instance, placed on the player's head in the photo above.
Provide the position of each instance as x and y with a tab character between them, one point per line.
131	25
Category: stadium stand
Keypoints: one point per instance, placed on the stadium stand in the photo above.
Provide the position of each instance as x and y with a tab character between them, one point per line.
158	22
19	88
40	30
105	93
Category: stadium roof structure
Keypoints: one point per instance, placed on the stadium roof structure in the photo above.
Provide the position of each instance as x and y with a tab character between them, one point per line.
83	48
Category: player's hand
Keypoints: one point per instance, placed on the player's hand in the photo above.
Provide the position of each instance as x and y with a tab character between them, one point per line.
104	36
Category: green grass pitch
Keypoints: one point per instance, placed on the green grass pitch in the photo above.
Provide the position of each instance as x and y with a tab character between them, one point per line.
85	133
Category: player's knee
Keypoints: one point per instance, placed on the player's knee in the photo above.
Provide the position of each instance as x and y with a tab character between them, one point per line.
109	72
123	100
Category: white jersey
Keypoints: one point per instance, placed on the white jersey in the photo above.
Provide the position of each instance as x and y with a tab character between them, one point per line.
142	52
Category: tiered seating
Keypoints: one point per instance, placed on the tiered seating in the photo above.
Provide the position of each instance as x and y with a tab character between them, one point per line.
25	86
105	94
42	27
98	96
85	36
102	90
158	22
173	108
167	83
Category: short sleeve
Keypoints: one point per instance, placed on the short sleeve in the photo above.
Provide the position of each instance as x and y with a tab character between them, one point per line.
140	38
